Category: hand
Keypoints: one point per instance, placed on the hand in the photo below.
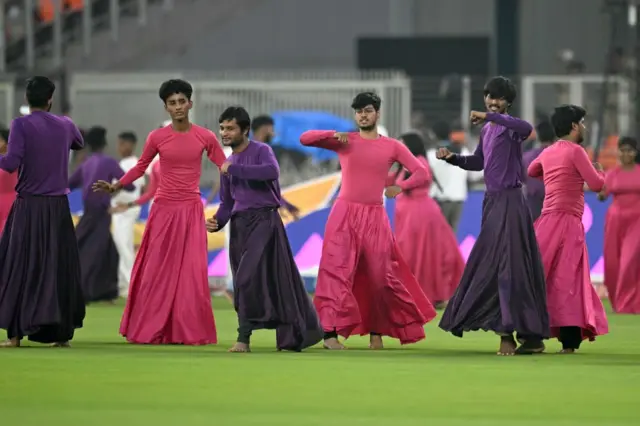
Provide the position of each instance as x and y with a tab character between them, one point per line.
342	137
224	169
212	224
104	186
443	154
598	167
392	191
477	117
602	195
119	208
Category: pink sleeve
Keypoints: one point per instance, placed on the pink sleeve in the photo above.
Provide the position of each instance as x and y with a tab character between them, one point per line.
535	168
427	167
418	171
609	182
588	173
321	139
214	150
392	177
148	154
154	179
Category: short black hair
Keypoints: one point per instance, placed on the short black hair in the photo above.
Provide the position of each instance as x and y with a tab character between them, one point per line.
261	120
365	99
545	132
629	141
564	117
4	134
175	86
501	88
239	114
415	143
442	130
128	136
96	138
39	91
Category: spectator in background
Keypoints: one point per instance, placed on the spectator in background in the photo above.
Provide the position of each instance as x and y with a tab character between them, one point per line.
454	180
534	188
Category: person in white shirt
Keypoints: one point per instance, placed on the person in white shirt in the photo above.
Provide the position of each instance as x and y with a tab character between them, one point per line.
453	180
124	220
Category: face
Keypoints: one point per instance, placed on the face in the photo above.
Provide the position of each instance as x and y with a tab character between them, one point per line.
265	133
125	148
178	106
579	131
627	155
367	117
231	133
498	105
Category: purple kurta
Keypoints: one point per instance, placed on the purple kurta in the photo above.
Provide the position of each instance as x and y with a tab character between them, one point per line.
268	290
96	167
39	145
502	288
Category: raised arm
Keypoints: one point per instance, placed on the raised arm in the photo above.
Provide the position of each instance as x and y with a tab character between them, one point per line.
588	173
117	173
522	128
267	168
473	162
418	172
535	169
148	154
15	150
226	202
321	139
214	150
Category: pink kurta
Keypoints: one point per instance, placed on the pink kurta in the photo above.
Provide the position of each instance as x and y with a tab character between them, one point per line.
426	240
364	284
8	183
169	299
622	240
571	299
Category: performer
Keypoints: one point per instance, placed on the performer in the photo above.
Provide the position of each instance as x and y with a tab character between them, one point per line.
269	291
534	188
424	236
622	231
8	182
169	299
575	310
98	254
364	285
40	290
124	221
502	288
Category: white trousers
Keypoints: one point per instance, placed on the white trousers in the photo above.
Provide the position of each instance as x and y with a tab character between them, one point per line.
123	224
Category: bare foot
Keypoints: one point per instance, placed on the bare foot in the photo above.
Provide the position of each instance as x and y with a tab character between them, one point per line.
567	351
375	342
507	346
61	345
11	343
240	347
333	344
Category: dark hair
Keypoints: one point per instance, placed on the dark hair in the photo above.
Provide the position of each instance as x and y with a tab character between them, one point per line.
4	134
500	88
365	99
261	120
39	91
128	136
545	132
442	130
175	86
96	138
415	143
629	141
239	114
564	117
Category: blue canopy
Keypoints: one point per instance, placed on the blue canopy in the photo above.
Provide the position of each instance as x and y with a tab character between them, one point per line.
289	125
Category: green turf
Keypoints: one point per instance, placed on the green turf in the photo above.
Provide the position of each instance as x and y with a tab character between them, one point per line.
443	381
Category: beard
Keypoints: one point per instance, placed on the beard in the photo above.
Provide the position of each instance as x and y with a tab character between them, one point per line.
368	128
268	139
234	143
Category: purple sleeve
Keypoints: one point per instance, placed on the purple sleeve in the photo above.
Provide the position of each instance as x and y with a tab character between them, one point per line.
518	126
226	202
117	173
267	168
473	162
77	143
15	151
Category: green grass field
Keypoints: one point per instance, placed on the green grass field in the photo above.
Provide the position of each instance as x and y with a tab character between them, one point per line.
443	381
